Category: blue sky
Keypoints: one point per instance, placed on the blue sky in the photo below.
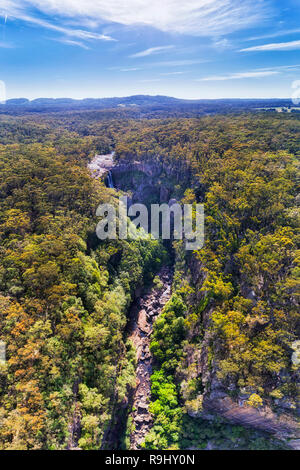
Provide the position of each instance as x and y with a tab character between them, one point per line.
182	48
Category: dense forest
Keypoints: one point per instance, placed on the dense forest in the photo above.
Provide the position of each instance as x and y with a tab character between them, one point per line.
228	336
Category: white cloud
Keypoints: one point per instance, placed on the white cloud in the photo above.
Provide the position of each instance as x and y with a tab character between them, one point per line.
70	42
285	68
77	33
151	51
178	63
280	46
12	9
239	76
130	69
6	45
194	17
275	34
149	80
173	73
222	44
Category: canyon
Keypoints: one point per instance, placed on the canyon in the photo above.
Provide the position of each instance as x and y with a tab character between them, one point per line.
154	183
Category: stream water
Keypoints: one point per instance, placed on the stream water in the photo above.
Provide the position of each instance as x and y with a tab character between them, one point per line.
109	180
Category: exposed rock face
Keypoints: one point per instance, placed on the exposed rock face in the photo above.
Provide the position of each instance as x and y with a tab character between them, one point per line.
264	419
74	427
149	182
217	401
143	314
296	353
101	164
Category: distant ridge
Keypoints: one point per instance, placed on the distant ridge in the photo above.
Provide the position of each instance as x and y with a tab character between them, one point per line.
144	105
139	100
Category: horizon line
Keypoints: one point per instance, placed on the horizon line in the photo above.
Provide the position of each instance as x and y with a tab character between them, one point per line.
140	95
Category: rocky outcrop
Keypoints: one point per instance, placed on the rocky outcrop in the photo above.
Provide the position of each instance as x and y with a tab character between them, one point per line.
147	182
74	427
150	182
264	419
143	314
101	164
217	401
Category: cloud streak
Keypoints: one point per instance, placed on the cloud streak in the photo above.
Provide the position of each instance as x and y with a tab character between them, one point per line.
70	42
280	46
129	69
172	73
77	33
275	34
152	51
193	17
240	75
6	45
15	9
178	63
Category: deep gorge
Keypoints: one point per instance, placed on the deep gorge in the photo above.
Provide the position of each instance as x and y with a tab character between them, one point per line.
76	312
149	184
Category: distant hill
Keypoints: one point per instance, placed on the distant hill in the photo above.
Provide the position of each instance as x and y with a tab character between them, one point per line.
145	105
137	100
